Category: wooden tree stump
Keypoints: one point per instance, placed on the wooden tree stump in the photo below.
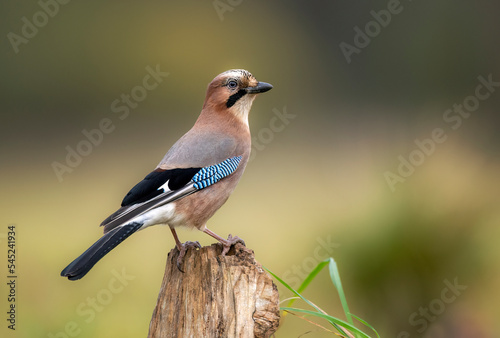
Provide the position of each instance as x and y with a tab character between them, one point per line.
216	296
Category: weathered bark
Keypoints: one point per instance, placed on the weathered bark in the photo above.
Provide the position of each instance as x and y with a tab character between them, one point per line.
217	296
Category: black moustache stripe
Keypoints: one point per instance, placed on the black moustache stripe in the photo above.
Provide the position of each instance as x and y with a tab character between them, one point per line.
235	97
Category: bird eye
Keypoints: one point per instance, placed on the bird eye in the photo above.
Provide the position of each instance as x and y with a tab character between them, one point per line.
232	84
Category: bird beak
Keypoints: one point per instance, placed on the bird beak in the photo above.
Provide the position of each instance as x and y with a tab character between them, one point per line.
261	87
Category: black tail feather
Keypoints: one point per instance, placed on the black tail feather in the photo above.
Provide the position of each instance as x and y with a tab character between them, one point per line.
80	266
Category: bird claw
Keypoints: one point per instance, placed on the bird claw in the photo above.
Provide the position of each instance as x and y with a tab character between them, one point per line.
182	252
230	242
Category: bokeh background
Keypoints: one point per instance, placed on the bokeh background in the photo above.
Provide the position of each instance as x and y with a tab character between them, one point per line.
317	185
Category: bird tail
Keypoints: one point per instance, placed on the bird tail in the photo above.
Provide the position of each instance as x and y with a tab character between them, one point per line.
80	266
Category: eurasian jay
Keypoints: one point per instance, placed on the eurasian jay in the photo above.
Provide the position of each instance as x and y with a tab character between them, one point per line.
195	177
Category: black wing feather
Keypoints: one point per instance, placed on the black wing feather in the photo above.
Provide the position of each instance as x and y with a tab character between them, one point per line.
148	187
181	177
136	200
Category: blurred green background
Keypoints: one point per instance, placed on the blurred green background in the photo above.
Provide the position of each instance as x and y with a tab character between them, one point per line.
317	185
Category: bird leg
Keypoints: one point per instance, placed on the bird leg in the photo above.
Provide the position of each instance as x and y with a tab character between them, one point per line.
226	243
183	247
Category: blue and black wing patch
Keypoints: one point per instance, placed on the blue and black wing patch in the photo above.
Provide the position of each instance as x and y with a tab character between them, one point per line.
214	173
162	187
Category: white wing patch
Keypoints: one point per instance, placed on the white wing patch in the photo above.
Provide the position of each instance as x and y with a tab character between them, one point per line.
164	187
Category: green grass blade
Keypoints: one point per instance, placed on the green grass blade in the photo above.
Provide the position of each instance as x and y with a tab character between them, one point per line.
335	277
331	319
293	290
303	298
309	279
365	323
312	275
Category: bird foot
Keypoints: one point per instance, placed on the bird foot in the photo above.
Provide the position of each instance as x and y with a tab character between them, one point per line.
230	241
182	252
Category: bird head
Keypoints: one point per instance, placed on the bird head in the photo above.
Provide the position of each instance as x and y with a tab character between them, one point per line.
234	91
